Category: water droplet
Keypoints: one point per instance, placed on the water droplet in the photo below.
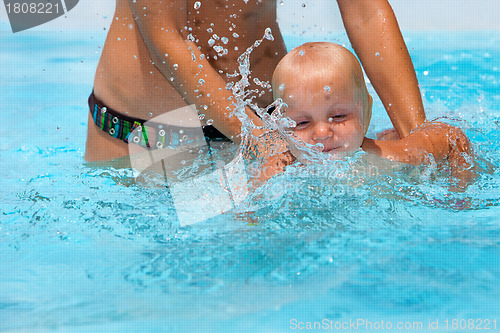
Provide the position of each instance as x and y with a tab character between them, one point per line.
301	52
201	82
197	5
175	66
210	122
200	65
166	55
327	89
235	35
224	40
268	34
282	87
214	36
209	30
377	54
171	79
287	123
304	5
190	38
426	72
201	116
282	3
211	42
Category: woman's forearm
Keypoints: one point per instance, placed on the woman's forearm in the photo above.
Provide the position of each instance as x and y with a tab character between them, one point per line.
184	66
375	36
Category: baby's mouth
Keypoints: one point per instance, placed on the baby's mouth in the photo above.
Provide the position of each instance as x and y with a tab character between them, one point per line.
327	150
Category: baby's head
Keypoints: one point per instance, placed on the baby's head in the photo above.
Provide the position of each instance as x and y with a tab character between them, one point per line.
323	85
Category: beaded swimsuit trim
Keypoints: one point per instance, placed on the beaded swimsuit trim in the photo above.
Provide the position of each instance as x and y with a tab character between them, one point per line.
145	133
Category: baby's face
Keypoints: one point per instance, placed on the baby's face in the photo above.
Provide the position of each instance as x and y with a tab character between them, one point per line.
333	117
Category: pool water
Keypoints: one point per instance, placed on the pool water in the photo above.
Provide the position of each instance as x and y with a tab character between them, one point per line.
86	249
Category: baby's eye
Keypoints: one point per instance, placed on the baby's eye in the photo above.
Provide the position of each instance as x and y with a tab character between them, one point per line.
337	117
302	123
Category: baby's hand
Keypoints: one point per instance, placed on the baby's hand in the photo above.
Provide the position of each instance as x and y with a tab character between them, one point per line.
275	165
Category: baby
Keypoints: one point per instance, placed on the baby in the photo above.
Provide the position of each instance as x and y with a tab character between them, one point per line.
323	86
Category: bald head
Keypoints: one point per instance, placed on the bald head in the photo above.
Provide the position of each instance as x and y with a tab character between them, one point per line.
310	65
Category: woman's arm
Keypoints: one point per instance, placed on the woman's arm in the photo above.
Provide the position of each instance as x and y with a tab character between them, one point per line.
161	24
375	36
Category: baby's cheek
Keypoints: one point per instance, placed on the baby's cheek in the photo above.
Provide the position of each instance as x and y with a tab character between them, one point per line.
358	140
302	134
355	137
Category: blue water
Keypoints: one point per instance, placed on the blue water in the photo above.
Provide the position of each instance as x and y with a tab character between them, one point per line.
86	249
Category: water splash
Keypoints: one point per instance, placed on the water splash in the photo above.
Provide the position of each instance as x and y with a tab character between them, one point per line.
275	125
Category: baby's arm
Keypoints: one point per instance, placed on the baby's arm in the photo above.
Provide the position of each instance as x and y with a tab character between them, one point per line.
439	140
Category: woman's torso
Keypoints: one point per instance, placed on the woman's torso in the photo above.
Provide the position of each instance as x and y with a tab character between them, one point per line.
127	81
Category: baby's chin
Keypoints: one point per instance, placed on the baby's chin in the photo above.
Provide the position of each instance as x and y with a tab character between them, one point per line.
339	152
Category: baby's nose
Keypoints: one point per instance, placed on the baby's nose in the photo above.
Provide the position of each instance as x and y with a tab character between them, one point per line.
322	131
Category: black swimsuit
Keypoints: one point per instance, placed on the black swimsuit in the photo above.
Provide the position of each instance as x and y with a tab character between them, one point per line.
146	133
